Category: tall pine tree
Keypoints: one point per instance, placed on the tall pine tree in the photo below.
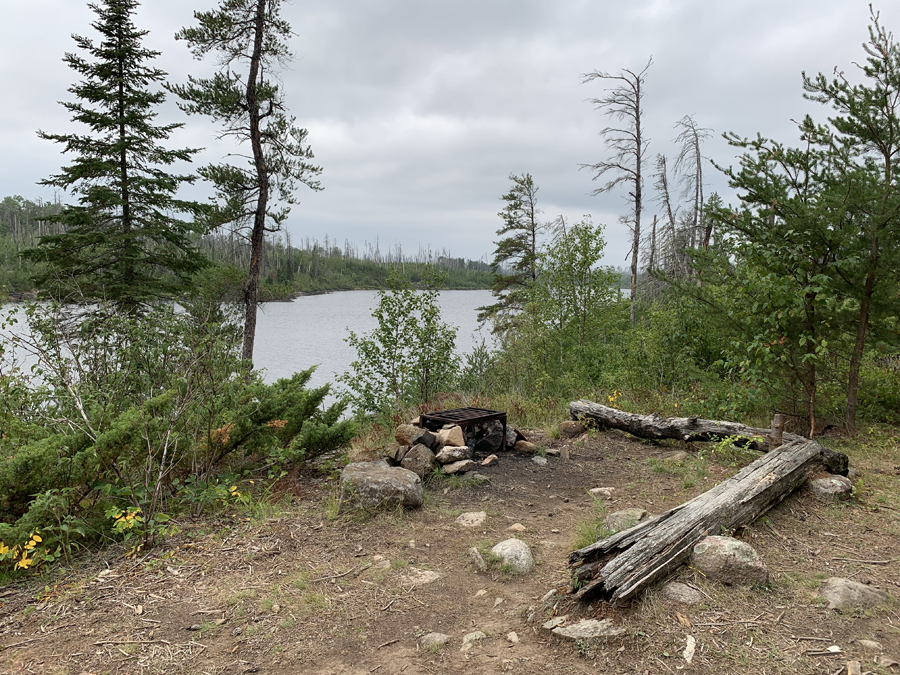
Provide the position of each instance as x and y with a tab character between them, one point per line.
249	40
122	240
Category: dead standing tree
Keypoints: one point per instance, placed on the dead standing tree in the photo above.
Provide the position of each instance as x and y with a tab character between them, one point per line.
628	147
689	168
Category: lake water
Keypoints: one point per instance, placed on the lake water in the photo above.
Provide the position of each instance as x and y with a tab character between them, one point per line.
292	336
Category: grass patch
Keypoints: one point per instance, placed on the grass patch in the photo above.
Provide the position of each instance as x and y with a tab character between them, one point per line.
593	530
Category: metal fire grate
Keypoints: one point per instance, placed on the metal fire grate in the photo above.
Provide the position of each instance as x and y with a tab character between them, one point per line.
463	417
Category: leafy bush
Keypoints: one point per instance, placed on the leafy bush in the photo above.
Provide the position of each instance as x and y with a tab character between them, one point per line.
121	410
409	357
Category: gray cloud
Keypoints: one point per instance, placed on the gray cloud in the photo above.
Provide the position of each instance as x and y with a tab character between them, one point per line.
418	110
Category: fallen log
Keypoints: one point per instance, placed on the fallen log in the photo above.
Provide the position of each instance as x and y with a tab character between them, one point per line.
693	429
621	566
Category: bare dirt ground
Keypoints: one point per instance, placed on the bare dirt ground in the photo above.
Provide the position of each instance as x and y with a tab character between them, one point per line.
285	589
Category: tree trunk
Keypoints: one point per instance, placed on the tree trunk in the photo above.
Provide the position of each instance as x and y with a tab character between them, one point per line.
621	566
692	429
258	235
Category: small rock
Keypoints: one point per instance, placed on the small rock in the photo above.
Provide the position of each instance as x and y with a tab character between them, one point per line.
451	453
461	466
498	602
434	640
516	554
676	456
541	461
525	447
478	560
379	562
679	592
589	629
548	596
490	460
870	645
625	519
602	492
516	527
420	460
571	429
513	637
830	488
844	594
481	593
276	608
729	561
416	421
453	436
419	577
195	626
478	478
471	519
853	474
553	452
556	621
472	639
237	630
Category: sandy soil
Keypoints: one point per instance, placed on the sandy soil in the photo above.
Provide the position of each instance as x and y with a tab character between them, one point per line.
285	589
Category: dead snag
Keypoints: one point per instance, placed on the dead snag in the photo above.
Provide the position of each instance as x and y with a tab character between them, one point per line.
621	566
693	429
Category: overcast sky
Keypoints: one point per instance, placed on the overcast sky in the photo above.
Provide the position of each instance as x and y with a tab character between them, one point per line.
419	110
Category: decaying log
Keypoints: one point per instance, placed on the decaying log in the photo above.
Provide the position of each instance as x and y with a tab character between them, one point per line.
693	429
621	566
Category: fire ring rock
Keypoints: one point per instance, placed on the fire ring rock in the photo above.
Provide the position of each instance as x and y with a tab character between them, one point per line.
375	485
516	554
729	561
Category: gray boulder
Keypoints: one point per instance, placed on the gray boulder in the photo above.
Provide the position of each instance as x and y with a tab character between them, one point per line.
844	594
681	593
375	484
407	434
420	460
461	466
434	640
571	429
516	554
450	453
729	561
626	518
830	488
589	629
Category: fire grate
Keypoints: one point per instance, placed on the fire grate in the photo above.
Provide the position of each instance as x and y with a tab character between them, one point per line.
463	417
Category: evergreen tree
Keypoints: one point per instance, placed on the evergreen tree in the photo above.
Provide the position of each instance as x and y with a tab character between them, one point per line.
250	35
518	251
121	242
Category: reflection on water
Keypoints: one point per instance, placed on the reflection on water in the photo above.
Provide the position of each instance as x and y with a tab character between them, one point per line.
292	336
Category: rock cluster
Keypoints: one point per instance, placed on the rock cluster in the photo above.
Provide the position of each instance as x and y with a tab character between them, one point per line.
396	479
452	447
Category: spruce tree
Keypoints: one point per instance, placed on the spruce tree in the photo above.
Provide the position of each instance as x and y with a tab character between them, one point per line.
249	40
122	240
517	250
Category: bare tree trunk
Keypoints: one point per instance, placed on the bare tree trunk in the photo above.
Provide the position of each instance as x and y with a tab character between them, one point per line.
690	429
621	566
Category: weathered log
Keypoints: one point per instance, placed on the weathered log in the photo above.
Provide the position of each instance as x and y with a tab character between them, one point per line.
693	429
619	567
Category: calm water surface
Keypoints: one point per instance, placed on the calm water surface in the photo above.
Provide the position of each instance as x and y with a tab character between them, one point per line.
310	331
292	336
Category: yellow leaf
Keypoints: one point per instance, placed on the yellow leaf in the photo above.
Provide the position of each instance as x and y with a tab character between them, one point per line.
36	537
4	549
